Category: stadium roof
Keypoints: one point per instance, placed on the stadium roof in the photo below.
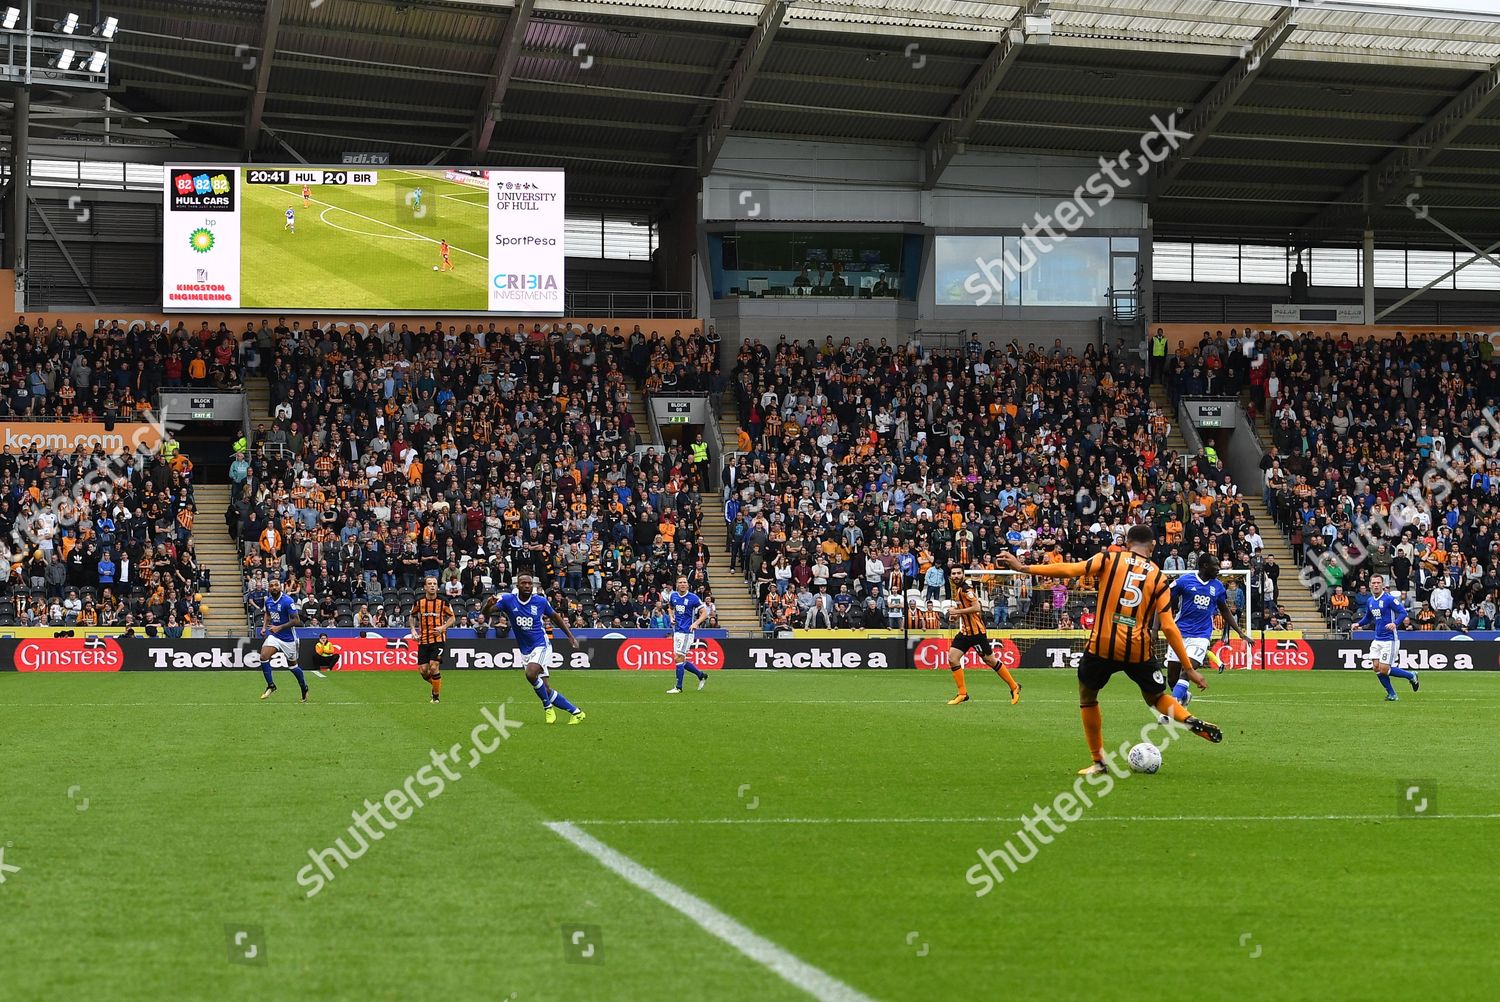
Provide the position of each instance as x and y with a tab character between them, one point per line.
1299	111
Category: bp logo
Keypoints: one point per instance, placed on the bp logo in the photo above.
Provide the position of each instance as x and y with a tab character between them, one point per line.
201	240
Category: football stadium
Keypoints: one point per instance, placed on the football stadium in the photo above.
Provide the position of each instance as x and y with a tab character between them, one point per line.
749	499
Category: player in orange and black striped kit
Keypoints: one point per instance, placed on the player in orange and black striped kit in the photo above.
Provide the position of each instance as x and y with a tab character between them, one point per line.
430	619
1134	601
971	636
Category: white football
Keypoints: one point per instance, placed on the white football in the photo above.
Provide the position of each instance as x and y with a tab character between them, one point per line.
434	267
1144	757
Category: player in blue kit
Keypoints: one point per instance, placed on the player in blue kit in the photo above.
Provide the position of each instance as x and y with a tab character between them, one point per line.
291	220
688	613
1197	597
528	613
282	620
1384	612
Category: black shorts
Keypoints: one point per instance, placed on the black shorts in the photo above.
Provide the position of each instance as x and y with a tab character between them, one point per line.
1095	672
428	653
965	642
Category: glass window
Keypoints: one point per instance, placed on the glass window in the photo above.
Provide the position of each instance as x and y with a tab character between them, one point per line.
1390	268
1074	272
1260	265
1333	267
1171	262
1425	266
974	271
96	173
143	175
1216	263
627	238
583	236
1481	274
1014	270
54	173
790	263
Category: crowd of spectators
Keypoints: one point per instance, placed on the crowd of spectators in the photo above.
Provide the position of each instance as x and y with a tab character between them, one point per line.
469	455
866	470
112	370
1357	430
99	539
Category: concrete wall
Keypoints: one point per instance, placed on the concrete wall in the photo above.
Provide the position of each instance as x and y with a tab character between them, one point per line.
768	182
767	179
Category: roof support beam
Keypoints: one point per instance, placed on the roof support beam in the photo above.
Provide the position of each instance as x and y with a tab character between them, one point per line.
507	53
270	26
1209	112
737	84
944	142
1400	169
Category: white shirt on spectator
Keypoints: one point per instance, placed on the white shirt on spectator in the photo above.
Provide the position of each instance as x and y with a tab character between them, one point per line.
1442	599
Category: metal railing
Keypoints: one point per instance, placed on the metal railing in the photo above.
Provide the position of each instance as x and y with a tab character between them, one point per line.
647	305
941	342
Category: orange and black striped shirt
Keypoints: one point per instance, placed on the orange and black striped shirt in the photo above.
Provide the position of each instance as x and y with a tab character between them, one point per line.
428	615
970	624
1133	593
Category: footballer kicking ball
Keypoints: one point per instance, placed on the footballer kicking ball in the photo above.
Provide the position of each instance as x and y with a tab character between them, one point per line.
1144	757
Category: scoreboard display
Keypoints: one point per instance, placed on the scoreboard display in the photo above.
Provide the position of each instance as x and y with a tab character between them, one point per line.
287	175
384	240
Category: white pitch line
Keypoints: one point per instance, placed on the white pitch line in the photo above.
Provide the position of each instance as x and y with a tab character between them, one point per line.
380	222
1126	819
794	971
323	218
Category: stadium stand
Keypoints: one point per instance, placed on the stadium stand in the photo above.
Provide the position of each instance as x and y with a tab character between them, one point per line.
99	539
1351	428
110	370
469	456
837	503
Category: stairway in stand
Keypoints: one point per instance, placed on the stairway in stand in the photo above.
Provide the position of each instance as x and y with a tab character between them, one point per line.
1162	399
1296	600
735	604
1290	595
258	399
729	425
638	412
217	551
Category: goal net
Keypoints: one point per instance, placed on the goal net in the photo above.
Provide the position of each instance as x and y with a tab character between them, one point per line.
1016	601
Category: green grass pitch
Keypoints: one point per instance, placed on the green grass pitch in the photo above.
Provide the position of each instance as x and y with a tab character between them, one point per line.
364	248
148	817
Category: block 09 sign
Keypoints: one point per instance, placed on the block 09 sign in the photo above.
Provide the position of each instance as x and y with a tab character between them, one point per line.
351	238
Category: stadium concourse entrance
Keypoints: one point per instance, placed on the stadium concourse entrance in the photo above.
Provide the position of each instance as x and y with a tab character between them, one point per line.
206	424
210	445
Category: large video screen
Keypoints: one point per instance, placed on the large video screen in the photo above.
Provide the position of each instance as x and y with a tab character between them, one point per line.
383	239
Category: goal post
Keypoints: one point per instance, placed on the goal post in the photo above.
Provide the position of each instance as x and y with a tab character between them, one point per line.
1013	600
